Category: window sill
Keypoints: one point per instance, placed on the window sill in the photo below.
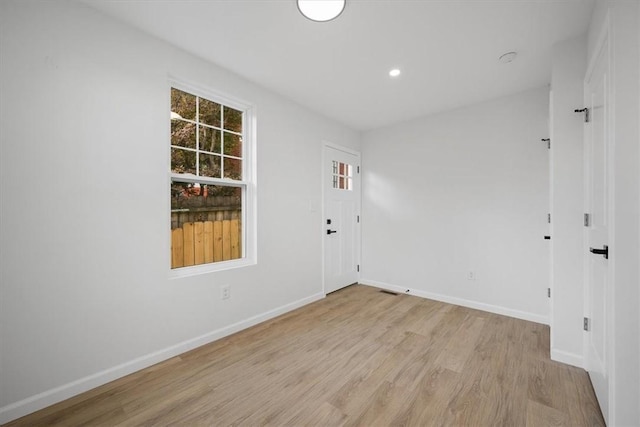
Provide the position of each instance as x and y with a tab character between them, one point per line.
196	270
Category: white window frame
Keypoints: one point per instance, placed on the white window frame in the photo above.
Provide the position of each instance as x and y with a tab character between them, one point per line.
248	182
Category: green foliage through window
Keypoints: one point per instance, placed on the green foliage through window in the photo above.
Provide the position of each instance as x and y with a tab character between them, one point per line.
206	137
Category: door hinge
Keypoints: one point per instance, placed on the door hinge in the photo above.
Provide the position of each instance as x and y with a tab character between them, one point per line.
586	113
548	141
549	218
358	218
358	169
548	292
587	220
585	324
358	268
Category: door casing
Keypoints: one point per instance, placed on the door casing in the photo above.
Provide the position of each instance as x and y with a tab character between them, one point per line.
602	383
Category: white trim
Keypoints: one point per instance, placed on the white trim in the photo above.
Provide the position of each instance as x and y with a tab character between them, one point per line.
248	183
194	179
568	358
341	148
42	400
212	267
552	212
207	92
532	317
603	46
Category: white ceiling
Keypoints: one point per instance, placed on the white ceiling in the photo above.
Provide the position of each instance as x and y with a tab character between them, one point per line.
447	49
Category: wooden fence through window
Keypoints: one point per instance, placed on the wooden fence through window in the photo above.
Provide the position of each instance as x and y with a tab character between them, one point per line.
205	242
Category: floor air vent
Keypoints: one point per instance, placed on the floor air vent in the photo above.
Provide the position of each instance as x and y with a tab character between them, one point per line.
384	291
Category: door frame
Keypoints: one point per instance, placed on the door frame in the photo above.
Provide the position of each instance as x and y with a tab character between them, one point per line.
603	42
323	177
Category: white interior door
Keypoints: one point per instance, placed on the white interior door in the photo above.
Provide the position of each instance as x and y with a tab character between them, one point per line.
341	187
597	300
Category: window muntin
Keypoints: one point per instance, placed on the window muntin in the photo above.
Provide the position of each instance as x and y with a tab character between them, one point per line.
208	186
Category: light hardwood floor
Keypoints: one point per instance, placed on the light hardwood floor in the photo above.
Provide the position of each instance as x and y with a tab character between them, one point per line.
358	357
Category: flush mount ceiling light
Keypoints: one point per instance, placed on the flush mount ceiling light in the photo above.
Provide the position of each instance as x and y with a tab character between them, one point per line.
394	73
321	10
508	57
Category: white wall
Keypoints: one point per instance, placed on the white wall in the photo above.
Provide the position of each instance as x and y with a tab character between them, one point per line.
623	18
466	190
85	294
567	200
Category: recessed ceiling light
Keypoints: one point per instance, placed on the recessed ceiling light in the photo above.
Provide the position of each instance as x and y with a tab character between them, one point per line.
508	57
394	73
321	10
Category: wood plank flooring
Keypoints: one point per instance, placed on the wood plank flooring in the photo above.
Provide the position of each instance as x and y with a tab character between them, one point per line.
359	357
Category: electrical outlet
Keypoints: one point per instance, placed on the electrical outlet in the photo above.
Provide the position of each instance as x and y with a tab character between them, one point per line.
471	275
225	292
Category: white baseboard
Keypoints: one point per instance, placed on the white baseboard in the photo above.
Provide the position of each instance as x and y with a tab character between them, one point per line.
58	394
532	317
568	358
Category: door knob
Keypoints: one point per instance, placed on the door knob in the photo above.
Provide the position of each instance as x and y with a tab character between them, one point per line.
331	231
604	251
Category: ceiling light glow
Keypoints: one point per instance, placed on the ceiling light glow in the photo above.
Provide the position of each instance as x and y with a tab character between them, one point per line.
321	10
394	73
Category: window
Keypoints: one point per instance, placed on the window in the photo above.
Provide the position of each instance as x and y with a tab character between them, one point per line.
210	180
342	176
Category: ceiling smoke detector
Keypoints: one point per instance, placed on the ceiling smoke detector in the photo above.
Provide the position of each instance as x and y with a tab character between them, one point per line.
321	10
508	57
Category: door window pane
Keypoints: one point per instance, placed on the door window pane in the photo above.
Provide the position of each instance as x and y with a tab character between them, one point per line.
342	175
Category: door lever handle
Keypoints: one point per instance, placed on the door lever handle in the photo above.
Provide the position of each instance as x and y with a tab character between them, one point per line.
331	231
604	251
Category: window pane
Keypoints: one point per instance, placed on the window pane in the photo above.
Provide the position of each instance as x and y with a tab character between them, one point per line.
206	224
209	112
232	168
183	161
342	169
183	103
210	140
183	134
232	144
209	165
335	167
232	120
206	219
